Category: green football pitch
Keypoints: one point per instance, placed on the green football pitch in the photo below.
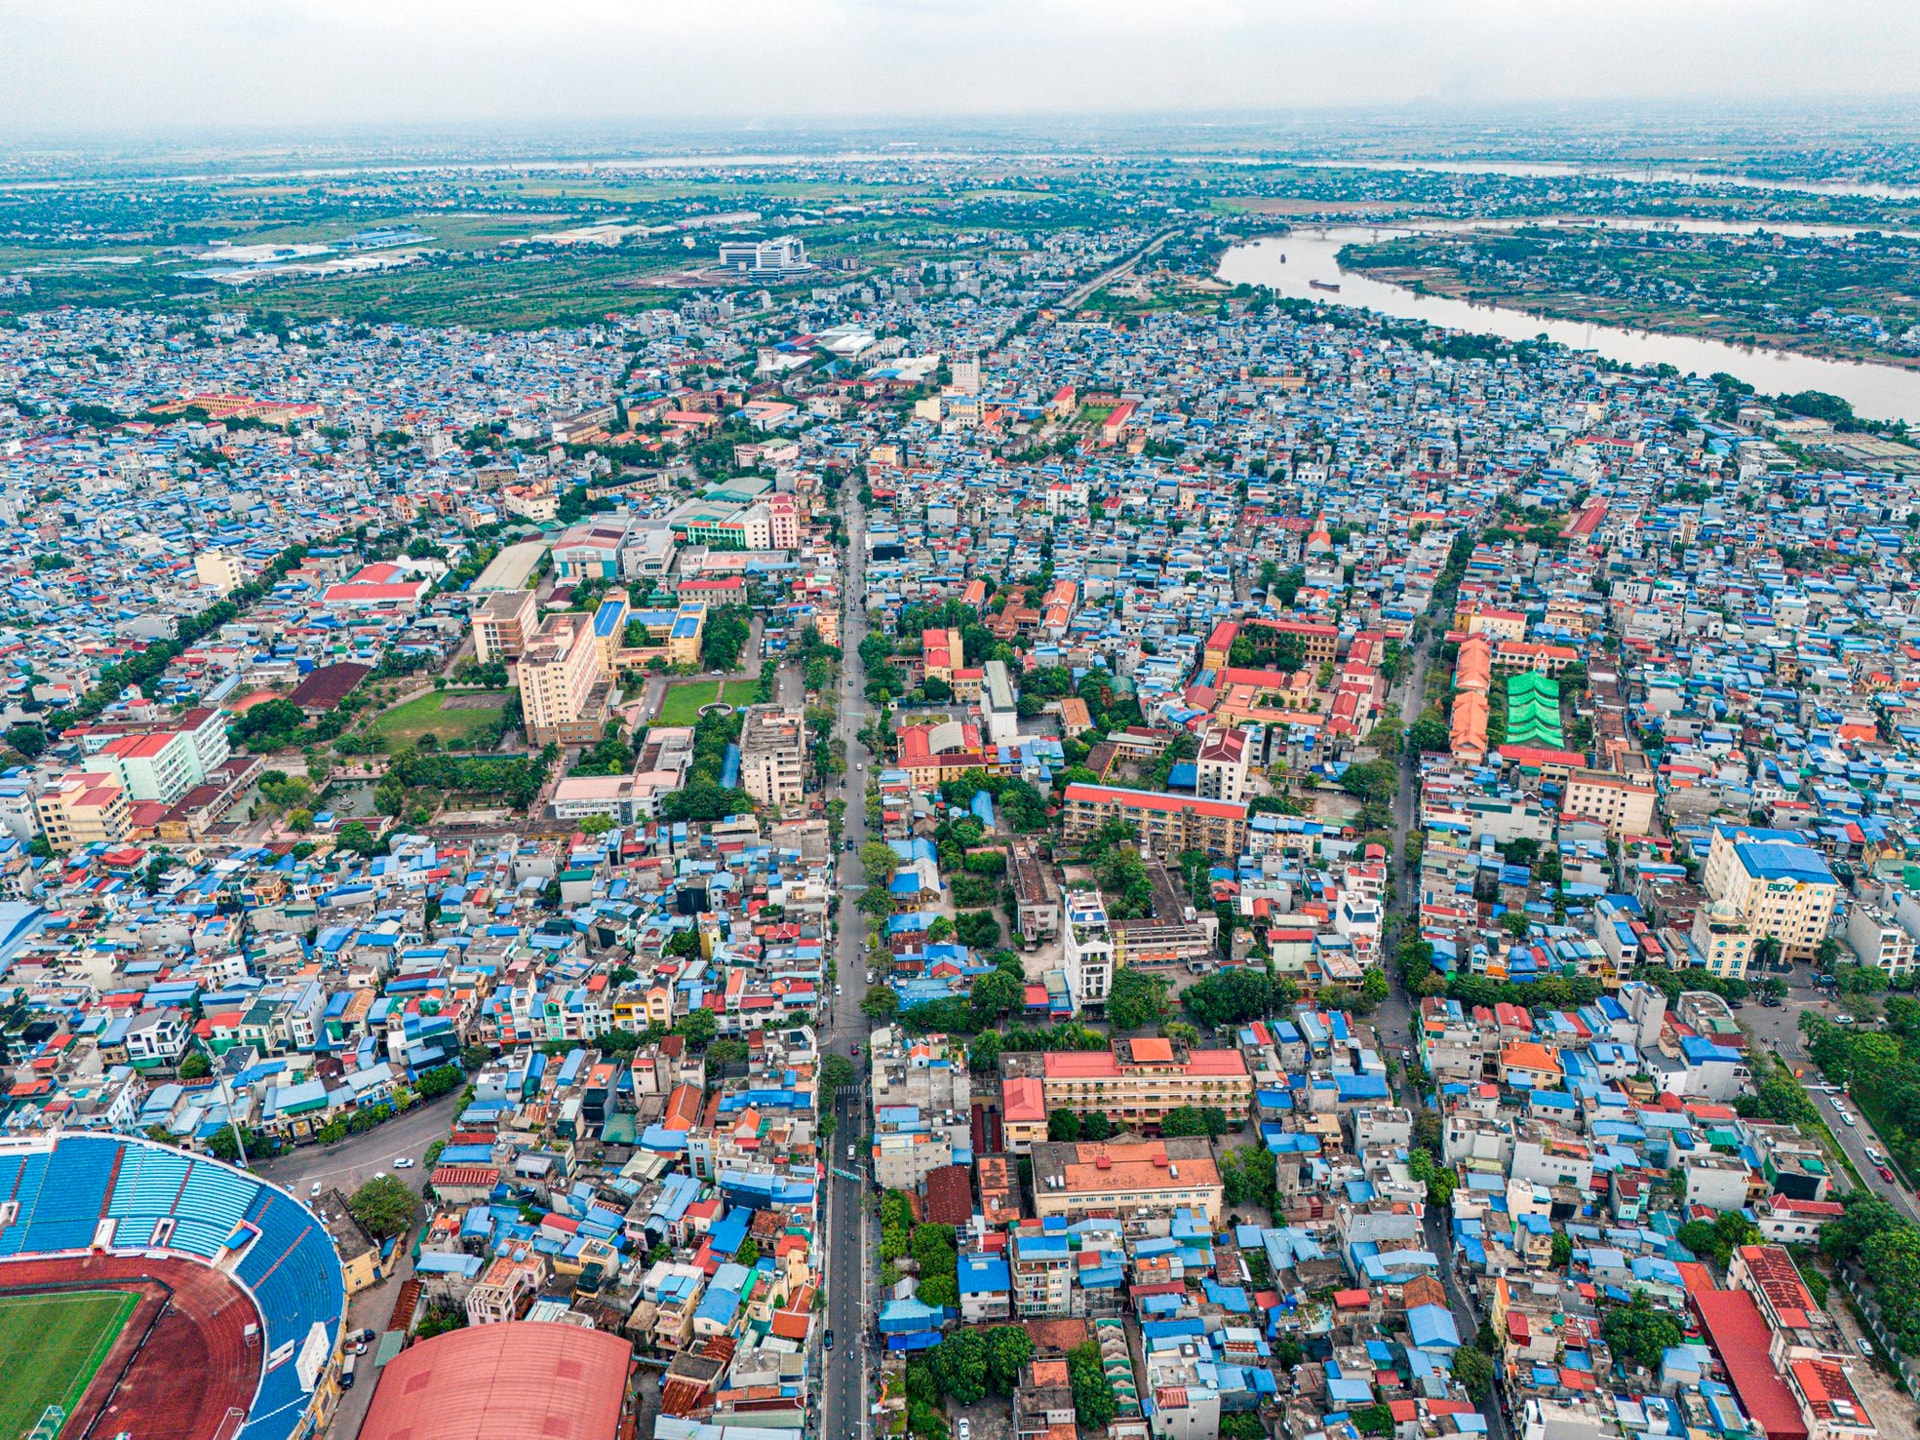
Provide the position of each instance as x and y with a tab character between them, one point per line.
50	1347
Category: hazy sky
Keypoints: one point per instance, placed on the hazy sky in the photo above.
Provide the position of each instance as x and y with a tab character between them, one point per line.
145	66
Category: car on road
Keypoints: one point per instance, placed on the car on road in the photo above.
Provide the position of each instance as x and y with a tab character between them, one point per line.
829	1339
850	1152
314	1192
1843	1019
966	1428
1736	1004
1876	1156
1769	1002
1846	1119
1866	1346
1886	1174
379	1174
405	1162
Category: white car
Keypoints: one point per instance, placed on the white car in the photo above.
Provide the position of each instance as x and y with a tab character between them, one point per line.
314	1193
379	1174
836	989
405	1162
966	1428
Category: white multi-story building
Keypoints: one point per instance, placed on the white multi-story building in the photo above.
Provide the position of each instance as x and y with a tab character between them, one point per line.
1880	940
1221	766
773	755
999	704
922	1106
159	767
1180	1376
766	258
1089	950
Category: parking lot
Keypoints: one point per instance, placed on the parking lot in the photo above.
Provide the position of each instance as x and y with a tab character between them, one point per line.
990	1418
1892	1411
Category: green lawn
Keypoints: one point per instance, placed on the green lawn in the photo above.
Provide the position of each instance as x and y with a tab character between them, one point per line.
452	716
50	1347
685	697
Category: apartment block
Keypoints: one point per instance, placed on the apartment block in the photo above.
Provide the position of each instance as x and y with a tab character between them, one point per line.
220	570
1165	824
502	625
922	1096
1622	803
81	809
1137	1081
160	767
1126	1178
563	685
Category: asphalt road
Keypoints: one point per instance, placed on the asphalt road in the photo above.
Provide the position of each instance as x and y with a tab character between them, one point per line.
1778	1030
345	1167
844	1371
355	1160
1080	293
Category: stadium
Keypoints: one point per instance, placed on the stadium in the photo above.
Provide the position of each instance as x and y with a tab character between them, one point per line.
148	1291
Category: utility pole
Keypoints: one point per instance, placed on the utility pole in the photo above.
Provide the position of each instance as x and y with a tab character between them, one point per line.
239	1141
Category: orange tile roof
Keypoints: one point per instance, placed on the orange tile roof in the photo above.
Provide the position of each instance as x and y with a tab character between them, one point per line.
1527	1055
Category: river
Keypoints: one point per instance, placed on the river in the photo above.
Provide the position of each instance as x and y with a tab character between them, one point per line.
1286	264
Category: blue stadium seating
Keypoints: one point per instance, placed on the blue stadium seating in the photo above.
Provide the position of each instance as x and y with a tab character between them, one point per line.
288	1276
68	1207
216	1197
33	1171
134	1232
291	1269
150	1180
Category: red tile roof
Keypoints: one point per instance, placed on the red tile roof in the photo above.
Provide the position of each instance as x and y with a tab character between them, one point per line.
1740	1338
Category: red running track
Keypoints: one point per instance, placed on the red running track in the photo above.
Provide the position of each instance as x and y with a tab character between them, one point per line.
179	1379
